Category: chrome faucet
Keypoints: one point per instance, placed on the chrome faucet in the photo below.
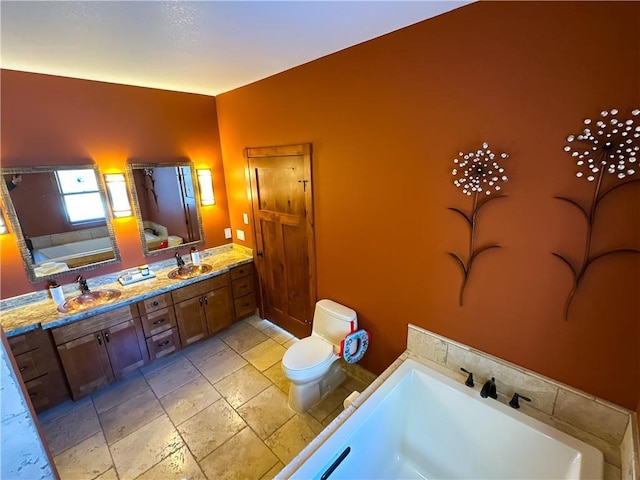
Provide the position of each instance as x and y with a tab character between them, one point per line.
489	389
84	288
179	261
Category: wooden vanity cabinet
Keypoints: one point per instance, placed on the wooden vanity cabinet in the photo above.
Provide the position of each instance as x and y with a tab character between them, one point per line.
40	368
97	350
159	325
203	309
243	291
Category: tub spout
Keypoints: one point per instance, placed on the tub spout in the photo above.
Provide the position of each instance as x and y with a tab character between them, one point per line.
489	389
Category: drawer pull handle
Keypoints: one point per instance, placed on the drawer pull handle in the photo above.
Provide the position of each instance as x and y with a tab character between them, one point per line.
158	322
22	369
164	344
155	303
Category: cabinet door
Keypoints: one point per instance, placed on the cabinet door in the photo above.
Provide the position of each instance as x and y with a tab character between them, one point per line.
219	309
86	364
126	352
192	325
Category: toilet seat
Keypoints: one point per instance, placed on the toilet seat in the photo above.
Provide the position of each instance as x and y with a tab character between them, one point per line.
308	358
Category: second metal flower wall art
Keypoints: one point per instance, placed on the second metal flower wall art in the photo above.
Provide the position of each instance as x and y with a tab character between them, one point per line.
611	146
479	175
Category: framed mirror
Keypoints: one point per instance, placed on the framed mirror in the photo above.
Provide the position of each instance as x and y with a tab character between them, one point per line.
165	198
60	218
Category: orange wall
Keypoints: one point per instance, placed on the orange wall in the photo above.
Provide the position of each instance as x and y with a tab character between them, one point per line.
48	120
387	117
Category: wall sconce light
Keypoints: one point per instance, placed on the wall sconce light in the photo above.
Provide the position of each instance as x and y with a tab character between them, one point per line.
118	196
205	181
3	224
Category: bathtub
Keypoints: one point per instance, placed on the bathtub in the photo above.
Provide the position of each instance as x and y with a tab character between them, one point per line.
421	424
75	253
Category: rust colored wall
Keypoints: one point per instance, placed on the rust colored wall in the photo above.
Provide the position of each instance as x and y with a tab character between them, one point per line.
48	120
387	117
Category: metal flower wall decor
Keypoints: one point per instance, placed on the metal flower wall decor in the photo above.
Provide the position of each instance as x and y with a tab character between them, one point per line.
479	175
609	145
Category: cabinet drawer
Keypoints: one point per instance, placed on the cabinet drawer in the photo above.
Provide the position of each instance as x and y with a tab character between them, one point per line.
200	288
158	321
38	393
89	325
163	344
155	303
28	341
31	364
241	271
242	286
245	306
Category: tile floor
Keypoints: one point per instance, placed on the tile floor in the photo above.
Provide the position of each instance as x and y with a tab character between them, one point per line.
216	410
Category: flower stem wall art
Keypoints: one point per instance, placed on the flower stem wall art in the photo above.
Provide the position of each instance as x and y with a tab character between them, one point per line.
478	174
609	145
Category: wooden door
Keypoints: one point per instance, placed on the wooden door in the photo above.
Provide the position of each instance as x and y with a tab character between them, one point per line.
126	347
86	364
281	191
218	309
192	325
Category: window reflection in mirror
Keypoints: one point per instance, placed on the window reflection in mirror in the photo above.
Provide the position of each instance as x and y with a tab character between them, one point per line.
59	217
166	204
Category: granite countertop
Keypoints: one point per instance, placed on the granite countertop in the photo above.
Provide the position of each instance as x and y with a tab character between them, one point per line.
45	314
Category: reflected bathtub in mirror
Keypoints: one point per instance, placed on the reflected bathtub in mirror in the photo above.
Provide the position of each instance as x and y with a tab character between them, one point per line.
59	217
165	204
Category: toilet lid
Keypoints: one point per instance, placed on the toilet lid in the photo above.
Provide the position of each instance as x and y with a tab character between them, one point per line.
307	353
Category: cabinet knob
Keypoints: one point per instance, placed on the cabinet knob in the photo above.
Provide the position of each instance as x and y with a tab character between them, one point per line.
155	303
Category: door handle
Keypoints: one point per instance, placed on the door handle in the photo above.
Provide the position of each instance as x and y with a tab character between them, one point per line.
99	337
106	336
259	254
206	301
22	369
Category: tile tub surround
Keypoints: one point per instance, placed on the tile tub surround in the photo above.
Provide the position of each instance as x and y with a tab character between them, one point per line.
608	427
42	312
215	410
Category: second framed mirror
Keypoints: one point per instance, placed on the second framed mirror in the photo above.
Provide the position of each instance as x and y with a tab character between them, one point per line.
166	204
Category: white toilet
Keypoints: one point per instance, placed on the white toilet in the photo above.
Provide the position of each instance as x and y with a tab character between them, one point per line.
312	364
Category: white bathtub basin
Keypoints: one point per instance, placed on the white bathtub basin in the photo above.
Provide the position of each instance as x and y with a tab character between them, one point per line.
420	424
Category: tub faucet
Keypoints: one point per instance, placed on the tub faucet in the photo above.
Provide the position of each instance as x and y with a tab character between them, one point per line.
489	389
514	401
179	261
84	288
469	381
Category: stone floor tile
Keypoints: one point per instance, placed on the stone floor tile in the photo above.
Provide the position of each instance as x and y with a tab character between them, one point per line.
130	415
180	464
234	328
199	352
354	384
265	354
108	475
266	412
256	322
328	404
65	432
147	446
120	391
244	339
207	430
184	402
278	334
86	460
243	456
277	377
161	363
273	472
242	385
62	410
220	365
291	438
172	376
332	416
288	343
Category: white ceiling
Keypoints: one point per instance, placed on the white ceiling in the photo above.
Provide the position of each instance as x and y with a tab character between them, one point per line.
206	47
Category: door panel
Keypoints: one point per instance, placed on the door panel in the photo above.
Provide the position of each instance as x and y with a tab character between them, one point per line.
282	199
86	364
125	351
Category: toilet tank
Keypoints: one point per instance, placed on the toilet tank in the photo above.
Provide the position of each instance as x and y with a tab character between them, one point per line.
333	321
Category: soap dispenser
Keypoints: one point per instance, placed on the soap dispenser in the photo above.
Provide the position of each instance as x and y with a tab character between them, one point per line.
195	256
56	292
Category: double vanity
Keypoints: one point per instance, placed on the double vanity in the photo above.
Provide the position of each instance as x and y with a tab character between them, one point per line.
87	349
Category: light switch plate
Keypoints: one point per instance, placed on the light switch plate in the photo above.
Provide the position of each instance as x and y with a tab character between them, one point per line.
245	218
240	234
227	233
